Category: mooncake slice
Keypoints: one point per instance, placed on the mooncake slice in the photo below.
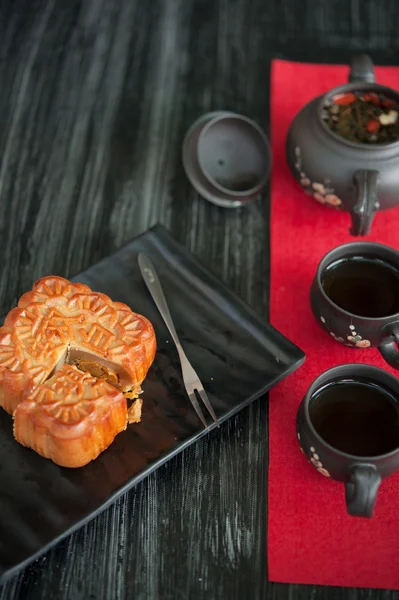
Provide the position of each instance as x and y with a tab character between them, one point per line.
70	418
70	359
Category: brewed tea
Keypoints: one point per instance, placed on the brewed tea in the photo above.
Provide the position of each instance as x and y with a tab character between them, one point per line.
363	286
356	416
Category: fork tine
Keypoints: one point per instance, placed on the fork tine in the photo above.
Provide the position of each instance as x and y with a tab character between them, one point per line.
197	407
204	397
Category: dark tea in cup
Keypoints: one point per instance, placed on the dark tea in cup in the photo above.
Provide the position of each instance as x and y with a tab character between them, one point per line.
356	416
365	286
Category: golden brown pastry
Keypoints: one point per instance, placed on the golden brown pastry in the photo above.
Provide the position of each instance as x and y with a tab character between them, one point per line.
70	418
62	322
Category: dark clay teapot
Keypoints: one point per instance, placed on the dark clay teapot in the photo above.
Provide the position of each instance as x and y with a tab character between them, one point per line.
358	178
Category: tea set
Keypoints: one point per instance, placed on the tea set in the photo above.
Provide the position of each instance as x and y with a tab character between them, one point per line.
348	421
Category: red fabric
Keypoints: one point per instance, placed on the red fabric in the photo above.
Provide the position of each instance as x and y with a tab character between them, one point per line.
311	539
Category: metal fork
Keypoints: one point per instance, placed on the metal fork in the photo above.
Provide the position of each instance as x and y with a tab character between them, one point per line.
191	380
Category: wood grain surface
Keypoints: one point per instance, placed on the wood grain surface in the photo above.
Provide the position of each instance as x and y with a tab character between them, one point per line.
96	96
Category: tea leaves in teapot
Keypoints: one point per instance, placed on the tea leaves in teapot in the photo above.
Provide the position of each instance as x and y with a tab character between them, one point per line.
363	117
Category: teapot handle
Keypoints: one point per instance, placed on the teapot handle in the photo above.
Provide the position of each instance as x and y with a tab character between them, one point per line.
367	204
362	69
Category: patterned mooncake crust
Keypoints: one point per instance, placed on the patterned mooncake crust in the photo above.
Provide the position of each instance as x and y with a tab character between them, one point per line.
59	317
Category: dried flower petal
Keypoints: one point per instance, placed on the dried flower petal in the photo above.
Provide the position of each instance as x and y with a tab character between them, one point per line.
371	97
344	99
373	125
388	118
388	103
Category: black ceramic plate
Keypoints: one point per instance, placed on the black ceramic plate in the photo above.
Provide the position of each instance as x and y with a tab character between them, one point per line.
237	356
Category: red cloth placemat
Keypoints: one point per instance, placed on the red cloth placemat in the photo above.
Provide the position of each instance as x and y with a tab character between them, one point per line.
311	539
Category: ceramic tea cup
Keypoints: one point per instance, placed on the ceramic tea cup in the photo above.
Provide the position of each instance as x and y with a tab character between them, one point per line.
348	428
355	297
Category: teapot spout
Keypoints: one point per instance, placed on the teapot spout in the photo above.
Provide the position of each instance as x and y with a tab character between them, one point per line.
362	69
367	204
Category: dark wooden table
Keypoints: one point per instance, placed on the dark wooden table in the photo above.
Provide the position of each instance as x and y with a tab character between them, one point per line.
95	97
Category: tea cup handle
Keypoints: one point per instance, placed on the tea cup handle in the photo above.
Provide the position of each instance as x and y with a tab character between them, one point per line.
362	69
361	490
389	346
366	182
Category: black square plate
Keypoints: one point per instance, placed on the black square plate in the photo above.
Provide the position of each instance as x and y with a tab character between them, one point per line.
237	356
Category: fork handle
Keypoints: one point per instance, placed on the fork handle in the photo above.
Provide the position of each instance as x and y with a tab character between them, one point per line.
153	284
